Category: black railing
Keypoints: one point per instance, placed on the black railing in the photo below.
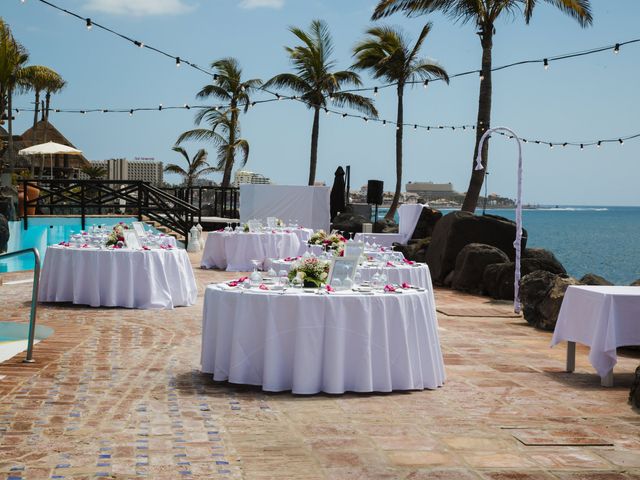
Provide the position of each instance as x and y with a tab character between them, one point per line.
107	197
222	202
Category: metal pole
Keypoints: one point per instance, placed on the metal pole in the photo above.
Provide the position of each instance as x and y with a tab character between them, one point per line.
34	307
348	184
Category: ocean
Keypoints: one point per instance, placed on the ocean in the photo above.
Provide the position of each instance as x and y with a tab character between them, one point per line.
600	240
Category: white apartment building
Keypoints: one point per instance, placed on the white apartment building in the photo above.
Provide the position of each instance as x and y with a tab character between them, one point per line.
245	176
144	169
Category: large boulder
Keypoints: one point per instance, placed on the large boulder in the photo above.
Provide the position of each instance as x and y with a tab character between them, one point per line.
593	279
385	226
416	250
636	283
471	263
457	229
4	233
634	394
349	222
426	223
541	259
541	294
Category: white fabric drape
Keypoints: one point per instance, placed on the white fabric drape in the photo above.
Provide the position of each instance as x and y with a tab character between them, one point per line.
118	278
603	318
234	251
333	343
309	206
409	214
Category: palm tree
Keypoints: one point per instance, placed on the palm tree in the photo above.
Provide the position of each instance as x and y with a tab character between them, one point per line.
12	57
228	87
39	78
196	167
315	81
94	171
484	13
387	53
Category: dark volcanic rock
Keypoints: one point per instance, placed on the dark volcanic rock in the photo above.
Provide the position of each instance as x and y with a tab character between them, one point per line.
385	226
4	233
541	259
634	394
426	223
349	222
636	283
457	229
541	294
416	250
593	279
471	263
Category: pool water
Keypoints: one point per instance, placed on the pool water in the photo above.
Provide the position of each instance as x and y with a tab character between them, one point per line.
44	231
13	338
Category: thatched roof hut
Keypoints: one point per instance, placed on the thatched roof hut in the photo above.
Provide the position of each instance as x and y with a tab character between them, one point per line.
46	132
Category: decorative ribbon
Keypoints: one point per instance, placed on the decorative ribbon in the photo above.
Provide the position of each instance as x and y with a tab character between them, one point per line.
518	242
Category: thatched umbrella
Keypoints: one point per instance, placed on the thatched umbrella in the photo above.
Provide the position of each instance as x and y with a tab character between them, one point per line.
337	199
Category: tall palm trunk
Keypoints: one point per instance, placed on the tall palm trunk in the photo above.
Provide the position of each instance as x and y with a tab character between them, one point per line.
228	165
315	132
484	122
399	132
36	110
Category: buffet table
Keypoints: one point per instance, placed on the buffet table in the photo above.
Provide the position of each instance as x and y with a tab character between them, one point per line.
332	342
145	279
603	318
234	251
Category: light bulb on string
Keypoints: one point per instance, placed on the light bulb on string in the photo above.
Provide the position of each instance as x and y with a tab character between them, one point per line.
375	91
599	143
326	110
621	141
131	112
138	44
384	123
366	120
344	115
481	76
160	107
415	127
581	146
89	24
551	146
187	106
426	83
178	63
545	62
564	144
616	49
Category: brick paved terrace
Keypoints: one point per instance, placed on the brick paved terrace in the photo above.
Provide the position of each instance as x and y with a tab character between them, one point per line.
117	393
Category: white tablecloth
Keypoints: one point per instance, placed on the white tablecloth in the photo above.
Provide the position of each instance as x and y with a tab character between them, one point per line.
308	205
603	318
382	239
332	343
303	234
408	214
118	278
234	251
416	275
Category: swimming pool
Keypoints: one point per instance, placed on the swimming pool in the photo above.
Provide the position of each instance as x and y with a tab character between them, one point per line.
13	338
45	231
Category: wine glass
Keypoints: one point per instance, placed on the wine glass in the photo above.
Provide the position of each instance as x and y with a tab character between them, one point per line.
283	277
357	278
255	277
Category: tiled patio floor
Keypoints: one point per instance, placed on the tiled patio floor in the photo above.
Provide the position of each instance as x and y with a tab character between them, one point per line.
117	393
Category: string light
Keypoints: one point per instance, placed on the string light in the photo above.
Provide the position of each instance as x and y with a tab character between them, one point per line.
160	107
426	83
616	48
375	92
384	123
621	141
546	64
177	61
89	24
131	112
138	44
481	76
599	143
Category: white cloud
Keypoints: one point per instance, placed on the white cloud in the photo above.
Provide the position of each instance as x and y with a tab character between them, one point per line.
139	7
250	4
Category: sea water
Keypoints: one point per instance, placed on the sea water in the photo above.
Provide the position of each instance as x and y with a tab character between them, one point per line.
600	240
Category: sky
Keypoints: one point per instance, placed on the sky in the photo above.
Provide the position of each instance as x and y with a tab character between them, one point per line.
578	100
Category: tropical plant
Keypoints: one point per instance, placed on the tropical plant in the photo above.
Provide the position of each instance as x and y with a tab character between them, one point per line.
39	78
315	81
196	166
94	171
387	53
228	87
484	13
12	58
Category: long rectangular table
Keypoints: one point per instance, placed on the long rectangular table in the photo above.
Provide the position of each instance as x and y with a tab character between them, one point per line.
603	318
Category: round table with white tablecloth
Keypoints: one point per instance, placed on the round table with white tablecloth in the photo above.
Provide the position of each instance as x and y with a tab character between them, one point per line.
303	234
415	274
146	279
334	342
234	251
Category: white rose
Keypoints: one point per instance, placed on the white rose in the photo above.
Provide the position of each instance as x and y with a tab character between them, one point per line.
323	275
300	275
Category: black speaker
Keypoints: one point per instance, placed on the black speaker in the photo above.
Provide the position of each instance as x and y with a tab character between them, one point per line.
375	189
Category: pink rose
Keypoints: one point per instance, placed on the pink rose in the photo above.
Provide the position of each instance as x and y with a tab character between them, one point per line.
390	264
405	285
263	287
389	288
330	289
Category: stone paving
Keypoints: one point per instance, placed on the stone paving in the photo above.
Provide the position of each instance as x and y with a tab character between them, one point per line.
117	393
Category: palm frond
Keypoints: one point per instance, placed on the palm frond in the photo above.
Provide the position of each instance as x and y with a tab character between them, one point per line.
356	102
201	134
173	168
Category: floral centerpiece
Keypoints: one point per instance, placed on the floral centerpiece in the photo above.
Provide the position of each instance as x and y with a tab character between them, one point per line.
335	242
117	234
318	238
312	271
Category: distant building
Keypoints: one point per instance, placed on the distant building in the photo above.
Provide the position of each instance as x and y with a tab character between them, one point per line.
245	176
144	169
432	191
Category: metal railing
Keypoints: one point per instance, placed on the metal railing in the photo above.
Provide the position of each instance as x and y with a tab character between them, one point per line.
211	201
103	197
34	297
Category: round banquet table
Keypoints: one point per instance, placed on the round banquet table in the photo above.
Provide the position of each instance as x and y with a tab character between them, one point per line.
416	275
303	234
234	251
309	343
146	279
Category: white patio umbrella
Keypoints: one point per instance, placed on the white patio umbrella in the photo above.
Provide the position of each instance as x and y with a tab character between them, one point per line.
50	148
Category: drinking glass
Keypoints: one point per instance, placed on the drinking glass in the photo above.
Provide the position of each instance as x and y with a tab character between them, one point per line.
297	283
357	278
255	276
283	276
